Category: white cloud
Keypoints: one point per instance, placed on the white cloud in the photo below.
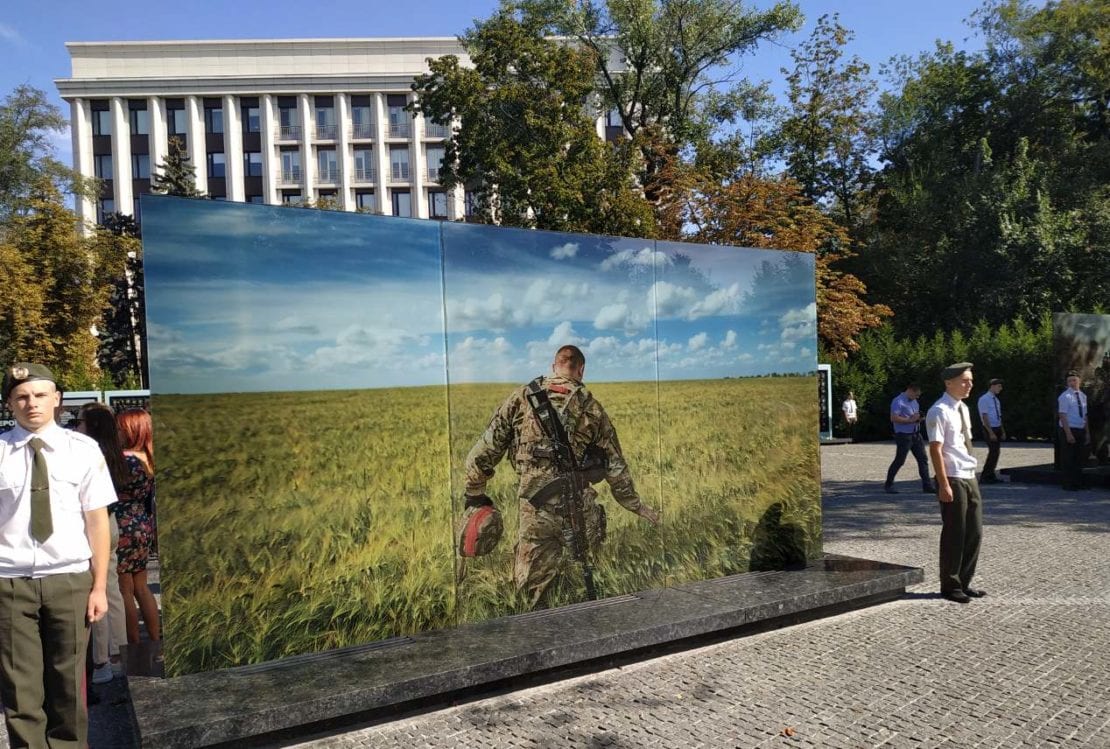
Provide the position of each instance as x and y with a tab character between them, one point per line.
565	251
611	316
645	257
562	335
9	34
697	342
493	312
719	302
729	340
668	300
294	324
802	315
799	324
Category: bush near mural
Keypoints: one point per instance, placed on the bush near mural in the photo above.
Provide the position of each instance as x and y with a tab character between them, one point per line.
318	379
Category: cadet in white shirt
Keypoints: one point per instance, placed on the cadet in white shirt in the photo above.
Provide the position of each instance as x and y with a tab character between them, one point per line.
1071	410
961	504
54	491
990	413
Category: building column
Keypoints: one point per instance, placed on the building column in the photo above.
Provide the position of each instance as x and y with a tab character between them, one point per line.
233	149
346	158
420	166
159	136
381	130
308	162
121	157
270	165
198	152
80	129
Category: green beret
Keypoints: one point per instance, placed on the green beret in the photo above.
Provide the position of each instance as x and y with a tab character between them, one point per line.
22	372
955	370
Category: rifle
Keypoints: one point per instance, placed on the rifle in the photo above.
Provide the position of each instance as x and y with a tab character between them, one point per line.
568	485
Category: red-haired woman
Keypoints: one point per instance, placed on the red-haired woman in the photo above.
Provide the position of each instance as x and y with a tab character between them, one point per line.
136	526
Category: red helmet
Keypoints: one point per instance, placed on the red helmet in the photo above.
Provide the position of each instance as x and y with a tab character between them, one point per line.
481	528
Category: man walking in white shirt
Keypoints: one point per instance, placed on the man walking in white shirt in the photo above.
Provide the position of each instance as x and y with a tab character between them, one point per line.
990	413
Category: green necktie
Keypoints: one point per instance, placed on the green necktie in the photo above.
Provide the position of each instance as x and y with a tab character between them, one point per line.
41	523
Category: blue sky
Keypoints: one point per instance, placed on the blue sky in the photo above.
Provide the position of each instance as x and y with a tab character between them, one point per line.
32	35
258	298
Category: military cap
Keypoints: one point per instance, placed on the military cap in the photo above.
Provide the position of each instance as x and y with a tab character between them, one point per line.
955	370
1072	373
22	372
996	381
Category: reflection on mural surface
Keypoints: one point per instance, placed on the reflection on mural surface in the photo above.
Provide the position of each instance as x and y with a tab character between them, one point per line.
327	387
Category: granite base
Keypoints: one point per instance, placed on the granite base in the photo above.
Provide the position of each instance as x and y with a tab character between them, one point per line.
1093	476
296	696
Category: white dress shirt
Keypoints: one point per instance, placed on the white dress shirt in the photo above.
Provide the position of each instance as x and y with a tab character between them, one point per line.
1069	404
949	423
992	407
79	482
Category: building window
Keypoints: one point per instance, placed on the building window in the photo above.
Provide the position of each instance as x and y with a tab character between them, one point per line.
101	122
291	166
364	165
177	122
217	167
328	166
252	120
291	197
252	164
140	166
400	123
288	129
399	160
213	120
140	119
364	201
103	208
434	156
362	124
402	203
256	199
102	166
437	204
325	123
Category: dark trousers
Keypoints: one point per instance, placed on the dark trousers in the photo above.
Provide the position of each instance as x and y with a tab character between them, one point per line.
994	447
961	534
42	659
1072	458
905	443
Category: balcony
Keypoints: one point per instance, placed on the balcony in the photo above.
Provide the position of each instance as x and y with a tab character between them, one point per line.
400	129
432	175
291	175
432	130
362	131
328	174
327	132
400	173
288	132
365	175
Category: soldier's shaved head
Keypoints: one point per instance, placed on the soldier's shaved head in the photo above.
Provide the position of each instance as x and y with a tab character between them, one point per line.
569	358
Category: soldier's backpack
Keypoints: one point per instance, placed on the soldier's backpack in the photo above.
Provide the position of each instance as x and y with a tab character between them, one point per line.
481	528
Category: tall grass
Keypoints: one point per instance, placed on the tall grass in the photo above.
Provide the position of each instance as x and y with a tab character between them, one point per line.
298	522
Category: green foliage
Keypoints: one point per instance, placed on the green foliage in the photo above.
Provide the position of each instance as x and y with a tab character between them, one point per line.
175	175
123	353
27	120
1019	353
327	533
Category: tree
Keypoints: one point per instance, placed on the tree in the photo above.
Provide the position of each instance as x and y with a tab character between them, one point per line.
526	148
27	120
753	211
175	175
828	137
123	352
57	287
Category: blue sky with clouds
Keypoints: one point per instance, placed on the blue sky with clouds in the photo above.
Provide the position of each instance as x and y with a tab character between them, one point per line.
258	298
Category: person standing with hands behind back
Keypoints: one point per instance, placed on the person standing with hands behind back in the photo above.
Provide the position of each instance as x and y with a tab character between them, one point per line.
961	504
1071	409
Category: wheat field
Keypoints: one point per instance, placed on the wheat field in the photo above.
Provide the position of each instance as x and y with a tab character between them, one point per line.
301	521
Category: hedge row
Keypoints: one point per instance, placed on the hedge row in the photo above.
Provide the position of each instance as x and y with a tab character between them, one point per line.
1018	353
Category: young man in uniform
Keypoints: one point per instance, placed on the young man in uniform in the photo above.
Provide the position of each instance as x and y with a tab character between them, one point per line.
54	488
990	413
540	542
961	504
1071	410
905	415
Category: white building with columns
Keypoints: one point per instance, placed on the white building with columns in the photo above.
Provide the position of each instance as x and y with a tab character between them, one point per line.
264	121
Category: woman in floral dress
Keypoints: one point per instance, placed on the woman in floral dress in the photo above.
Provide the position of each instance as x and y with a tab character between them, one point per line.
136	524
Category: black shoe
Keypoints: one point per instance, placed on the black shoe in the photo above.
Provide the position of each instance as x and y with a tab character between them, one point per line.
890	490
974	593
956	595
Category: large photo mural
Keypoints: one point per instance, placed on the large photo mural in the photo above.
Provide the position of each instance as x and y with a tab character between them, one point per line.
332	391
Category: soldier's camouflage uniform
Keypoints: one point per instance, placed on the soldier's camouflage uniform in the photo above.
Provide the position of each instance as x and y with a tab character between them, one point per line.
515	430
